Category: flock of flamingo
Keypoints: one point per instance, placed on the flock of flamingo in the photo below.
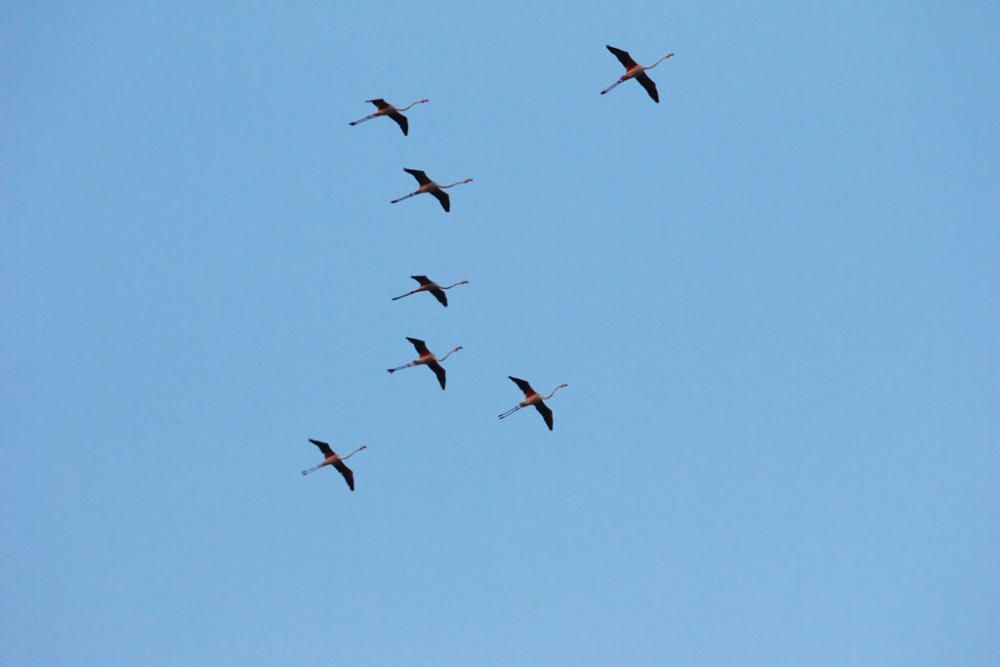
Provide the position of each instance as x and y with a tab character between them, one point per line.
633	70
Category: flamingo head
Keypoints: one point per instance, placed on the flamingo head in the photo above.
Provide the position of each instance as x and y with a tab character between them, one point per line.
427	100
468	180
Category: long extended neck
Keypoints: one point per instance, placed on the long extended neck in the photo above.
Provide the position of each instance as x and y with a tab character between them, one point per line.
441	360
669	55
451	185
460	282
414	104
342	458
554	391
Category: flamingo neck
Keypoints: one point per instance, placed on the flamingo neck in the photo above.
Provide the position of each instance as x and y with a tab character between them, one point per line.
468	180
413	105
449	354
554	391
460	282
354	452
660	61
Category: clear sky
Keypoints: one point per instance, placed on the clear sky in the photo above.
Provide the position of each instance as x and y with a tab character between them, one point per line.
773	296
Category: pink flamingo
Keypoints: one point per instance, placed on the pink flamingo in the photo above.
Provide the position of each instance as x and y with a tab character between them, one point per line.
532	397
386	109
427	185
330	458
428	285
634	70
428	359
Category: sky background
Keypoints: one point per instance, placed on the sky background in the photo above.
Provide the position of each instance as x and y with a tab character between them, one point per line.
773	297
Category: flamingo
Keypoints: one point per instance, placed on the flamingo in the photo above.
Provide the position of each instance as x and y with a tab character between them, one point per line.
331	459
428	285
427	185
634	70
386	109
428	359
532	397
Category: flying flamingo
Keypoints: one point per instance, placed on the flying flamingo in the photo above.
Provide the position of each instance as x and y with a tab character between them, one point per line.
532	397
634	70
428	285
427	185
386	109
331	459
428	359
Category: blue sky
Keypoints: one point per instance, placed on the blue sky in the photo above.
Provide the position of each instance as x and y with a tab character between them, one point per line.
773	297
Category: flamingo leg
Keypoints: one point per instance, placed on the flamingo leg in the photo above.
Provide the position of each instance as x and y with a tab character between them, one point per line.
611	86
509	412
313	469
396	201
393	370
396	298
355	122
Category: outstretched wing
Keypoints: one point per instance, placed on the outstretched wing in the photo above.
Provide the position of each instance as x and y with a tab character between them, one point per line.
423	280
546	413
323	447
442	197
523	385
419	175
440	296
623	57
649	85
420	345
380	103
400	119
439	371
346	472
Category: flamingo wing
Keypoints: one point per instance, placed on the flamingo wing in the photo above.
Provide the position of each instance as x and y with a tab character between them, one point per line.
442	197
523	385
439	371
323	447
440	296
346	472
423	280
419	175
649	85
546	413
400	119
420	346
623	57
380	103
